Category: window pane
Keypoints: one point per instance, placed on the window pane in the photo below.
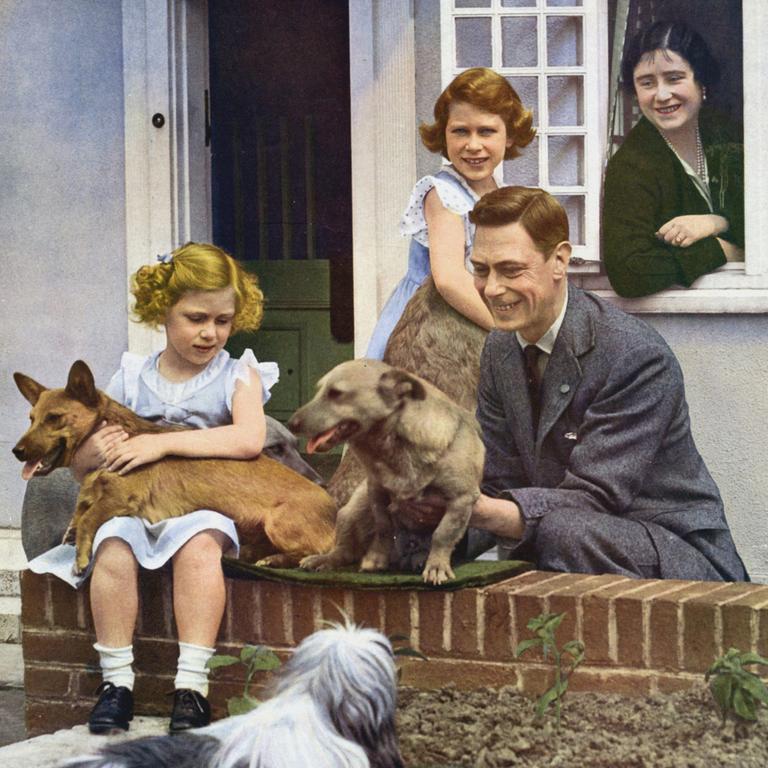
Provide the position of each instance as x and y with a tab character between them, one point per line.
524	170
519	41
566	100
566	161
563	3
473	3
564	41
574	207
518	3
473	42
528	90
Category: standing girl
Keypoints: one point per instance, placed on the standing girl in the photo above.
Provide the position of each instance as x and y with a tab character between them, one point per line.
479	121
200	295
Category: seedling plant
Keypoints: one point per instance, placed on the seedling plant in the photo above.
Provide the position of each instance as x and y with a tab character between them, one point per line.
565	659
255	658
738	691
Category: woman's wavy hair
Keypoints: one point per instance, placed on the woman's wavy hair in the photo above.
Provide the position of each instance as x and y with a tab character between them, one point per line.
538	212
488	91
670	36
196	267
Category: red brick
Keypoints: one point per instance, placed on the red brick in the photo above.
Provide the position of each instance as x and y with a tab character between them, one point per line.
69	648
48	716
498	632
464	640
432	607
46	681
465	675
333	604
35	598
367	606
739	614
397	612
674	683
610	681
155	656
64	601
84	683
303	601
274	597
243	613
155	604
534	679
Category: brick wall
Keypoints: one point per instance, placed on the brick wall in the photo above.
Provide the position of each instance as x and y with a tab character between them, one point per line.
640	636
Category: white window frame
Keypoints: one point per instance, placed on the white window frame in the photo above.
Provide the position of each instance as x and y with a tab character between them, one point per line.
735	287
595	93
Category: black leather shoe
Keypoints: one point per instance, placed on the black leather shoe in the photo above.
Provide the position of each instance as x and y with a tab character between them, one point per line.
113	711
190	710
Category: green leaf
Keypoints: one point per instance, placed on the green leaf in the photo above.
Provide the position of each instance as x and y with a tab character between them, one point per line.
721	687
753	658
239	705
398	638
221	661
410	652
545	700
265	660
249	651
743	705
524	645
755	687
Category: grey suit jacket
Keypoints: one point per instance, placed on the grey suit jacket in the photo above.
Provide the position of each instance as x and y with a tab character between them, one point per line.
614	434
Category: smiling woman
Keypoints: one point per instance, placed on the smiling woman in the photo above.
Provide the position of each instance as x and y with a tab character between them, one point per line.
673	202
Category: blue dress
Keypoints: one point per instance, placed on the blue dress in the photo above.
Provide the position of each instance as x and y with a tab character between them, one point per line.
203	401
456	195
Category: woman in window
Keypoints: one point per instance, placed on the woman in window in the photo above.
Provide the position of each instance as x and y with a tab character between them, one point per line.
673	204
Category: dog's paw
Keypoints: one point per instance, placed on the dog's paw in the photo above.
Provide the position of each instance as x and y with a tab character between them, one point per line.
437	572
317	563
374	562
70	535
279	560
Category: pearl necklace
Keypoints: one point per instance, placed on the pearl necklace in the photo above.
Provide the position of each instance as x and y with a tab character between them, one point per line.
701	165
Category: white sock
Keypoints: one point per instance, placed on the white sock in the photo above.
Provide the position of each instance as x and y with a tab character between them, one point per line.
191	671
116	665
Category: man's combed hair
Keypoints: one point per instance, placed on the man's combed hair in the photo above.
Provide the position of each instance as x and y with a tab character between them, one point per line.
670	36
539	213
196	267
488	91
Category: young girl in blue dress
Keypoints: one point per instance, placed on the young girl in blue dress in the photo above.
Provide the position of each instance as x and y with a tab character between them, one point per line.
479	121
200	295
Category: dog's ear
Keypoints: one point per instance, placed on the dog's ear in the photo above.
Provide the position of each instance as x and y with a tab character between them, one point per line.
396	385
80	384
28	387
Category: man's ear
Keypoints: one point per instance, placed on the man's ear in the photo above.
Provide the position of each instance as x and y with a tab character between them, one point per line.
28	387
562	256
80	384
397	385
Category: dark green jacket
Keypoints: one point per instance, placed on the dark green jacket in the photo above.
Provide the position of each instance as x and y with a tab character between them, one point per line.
646	186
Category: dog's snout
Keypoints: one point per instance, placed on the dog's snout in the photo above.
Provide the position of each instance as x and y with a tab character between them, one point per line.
294	423
18	452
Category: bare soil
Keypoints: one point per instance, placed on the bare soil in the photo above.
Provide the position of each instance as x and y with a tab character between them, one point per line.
495	728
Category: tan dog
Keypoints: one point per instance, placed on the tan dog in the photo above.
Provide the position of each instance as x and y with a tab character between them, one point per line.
411	439
435	342
280	516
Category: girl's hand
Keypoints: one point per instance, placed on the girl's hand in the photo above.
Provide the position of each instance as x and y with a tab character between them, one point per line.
134	452
684	231
92	454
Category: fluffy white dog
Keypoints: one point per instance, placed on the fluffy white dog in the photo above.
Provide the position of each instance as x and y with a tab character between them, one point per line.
333	707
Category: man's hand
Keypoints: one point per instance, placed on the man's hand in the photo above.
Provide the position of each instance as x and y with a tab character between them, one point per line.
124	456
684	231
92	454
424	513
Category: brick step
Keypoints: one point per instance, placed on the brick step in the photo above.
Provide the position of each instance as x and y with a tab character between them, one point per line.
641	636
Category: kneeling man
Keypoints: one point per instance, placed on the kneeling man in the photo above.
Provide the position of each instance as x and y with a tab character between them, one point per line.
591	466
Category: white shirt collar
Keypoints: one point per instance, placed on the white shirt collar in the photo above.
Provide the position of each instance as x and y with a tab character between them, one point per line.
547	342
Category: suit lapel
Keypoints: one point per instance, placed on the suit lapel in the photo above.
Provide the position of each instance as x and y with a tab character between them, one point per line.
563	372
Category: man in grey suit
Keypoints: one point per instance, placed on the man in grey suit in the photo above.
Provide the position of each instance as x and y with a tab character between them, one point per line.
591	466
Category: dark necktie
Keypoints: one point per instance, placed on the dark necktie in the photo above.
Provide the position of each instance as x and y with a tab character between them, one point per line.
531	354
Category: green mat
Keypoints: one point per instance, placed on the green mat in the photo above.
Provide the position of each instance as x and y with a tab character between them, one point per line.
476	573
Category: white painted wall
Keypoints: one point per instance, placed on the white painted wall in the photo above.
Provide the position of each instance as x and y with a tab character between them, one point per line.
62	207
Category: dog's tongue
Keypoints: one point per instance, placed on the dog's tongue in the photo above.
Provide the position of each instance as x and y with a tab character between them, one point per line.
30	468
320	442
